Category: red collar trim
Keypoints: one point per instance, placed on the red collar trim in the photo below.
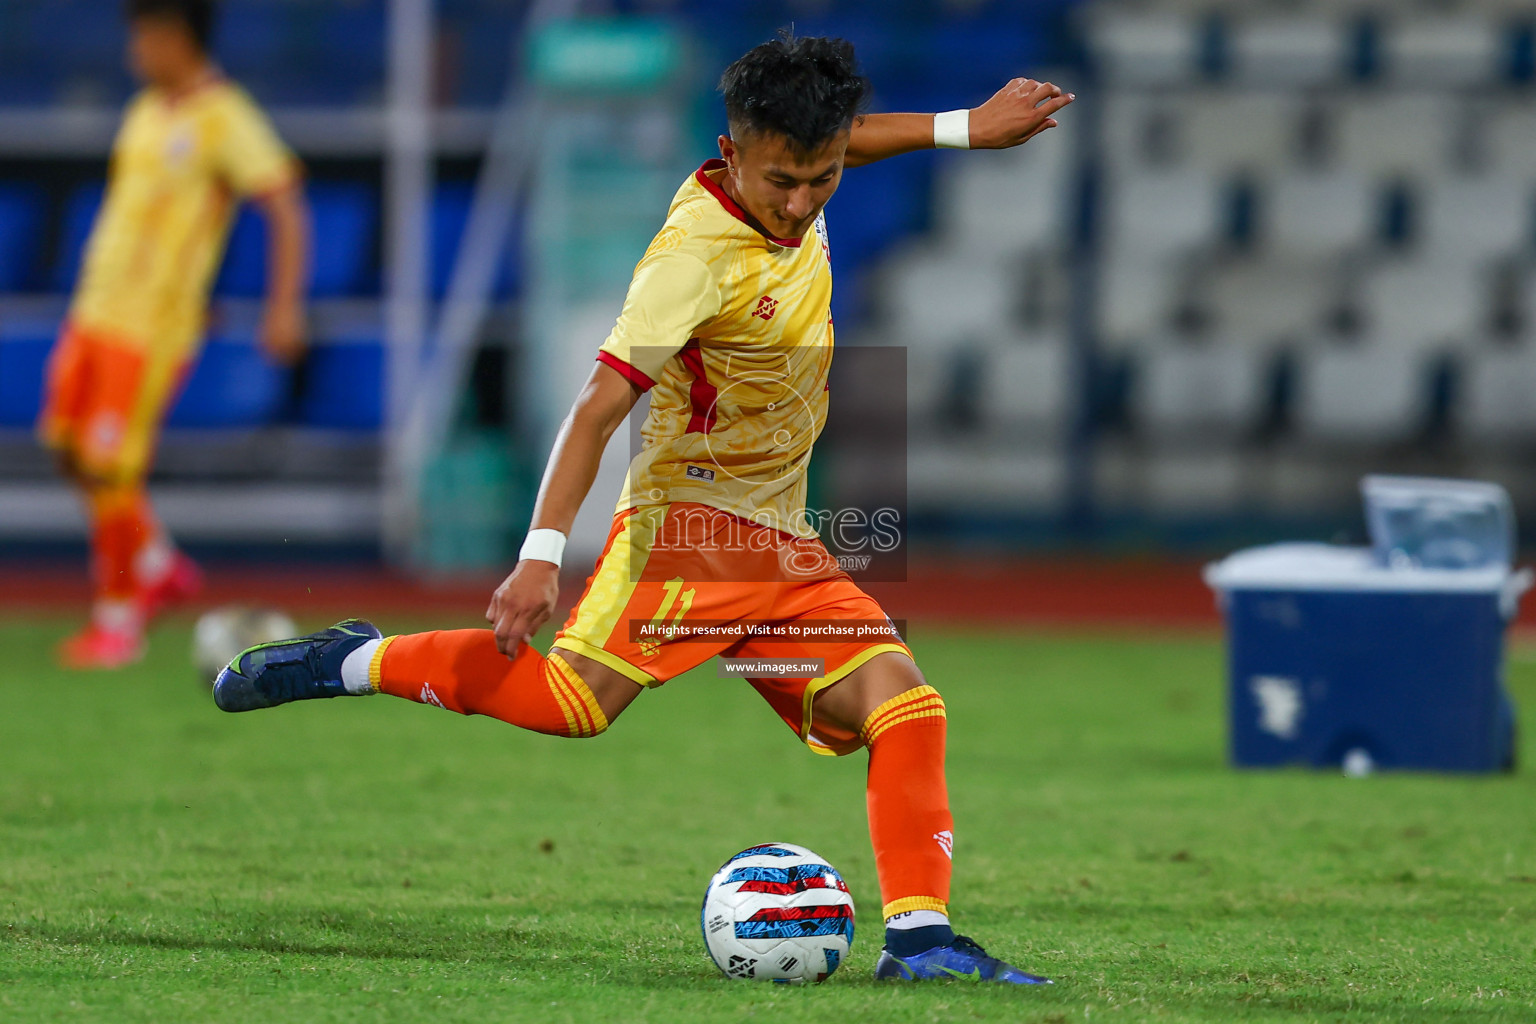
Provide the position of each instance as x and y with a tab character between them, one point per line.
714	189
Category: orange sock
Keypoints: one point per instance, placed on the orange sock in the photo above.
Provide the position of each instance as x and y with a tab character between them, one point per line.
120	525
909	821
461	670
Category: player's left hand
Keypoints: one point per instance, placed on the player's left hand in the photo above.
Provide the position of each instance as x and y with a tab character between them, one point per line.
282	333
1017	113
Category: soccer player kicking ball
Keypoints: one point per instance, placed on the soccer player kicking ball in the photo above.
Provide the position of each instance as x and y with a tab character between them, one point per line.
727	325
190	146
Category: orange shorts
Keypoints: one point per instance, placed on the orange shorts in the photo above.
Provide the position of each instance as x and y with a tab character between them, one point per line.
104	400
680	584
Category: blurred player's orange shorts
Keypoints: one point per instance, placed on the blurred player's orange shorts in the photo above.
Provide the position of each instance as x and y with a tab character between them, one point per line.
679	584
104	400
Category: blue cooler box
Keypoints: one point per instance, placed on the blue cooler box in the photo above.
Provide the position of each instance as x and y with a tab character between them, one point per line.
1337	659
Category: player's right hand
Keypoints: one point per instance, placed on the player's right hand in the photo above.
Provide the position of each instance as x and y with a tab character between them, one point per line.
523	603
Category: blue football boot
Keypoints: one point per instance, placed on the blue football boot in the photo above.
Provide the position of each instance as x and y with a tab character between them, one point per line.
300	669
960	959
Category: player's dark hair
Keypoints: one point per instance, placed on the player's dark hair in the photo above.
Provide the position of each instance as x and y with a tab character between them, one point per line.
197	15
806	89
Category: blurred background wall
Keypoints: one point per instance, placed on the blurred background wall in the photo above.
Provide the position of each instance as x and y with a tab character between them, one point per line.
1275	245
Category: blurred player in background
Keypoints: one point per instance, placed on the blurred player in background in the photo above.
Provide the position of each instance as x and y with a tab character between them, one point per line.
192	145
727	325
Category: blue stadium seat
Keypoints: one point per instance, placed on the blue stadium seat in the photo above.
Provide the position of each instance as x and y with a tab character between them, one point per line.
450	212
344	386
345	217
21	222
23	357
79	214
233	385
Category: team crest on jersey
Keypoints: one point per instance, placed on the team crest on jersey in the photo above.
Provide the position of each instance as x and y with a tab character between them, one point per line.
766	307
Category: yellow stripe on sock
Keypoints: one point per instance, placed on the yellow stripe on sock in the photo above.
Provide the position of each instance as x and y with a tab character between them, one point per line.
376	664
910	903
552	680
581	691
561	680
884	727
876	723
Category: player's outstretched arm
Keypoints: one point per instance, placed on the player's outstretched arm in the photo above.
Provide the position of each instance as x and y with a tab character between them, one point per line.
1015	114
526	599
282	333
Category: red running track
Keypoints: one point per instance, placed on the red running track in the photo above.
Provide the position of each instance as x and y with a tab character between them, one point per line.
1046	592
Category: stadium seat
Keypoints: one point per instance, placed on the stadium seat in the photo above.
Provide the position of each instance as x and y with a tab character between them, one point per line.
1137	297
79	214
1159	215
1318	215
1026	384
957	475
1189	389
233	385
1360	394
451	202
1474	219
344	386
1289	50
1425	305
1226	131
939	298
1139	49
1398	133
1261	302
1452	50
345	219
21	228
24	348
1508	138
1008	202
1494	401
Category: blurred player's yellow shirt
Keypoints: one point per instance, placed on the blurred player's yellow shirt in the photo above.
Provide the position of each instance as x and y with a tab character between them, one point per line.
179	166
732	333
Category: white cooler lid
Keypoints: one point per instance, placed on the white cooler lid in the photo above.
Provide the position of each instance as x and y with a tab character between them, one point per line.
1331	567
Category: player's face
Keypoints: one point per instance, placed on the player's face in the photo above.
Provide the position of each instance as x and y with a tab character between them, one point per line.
781	186
159	49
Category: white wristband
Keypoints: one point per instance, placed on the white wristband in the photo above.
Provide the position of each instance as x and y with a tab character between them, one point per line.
952	130
543	545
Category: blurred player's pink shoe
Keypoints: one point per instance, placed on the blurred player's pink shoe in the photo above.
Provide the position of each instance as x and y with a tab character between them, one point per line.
180	582
98	647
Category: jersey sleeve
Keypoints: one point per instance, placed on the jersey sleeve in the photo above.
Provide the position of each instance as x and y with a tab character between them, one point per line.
672	293
249	155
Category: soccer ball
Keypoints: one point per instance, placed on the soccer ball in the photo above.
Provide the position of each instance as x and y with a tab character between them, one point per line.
224	632
777	912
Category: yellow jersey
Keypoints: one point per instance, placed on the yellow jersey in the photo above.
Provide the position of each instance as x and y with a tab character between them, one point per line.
731	332
179	166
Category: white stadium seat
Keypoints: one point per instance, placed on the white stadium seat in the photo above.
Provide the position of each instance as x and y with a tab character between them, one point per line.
1161	214
1026	384
1360	394
1232	131
1395	134
1011	201
1315	215
934	297
1004	478
1188	390
1145	49
1474	219
1426	305
1452	50
1289	50
1494	403
1509	138
1137	296
1265	301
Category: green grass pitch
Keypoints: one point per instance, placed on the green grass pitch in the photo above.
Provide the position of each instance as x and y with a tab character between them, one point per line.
371	860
